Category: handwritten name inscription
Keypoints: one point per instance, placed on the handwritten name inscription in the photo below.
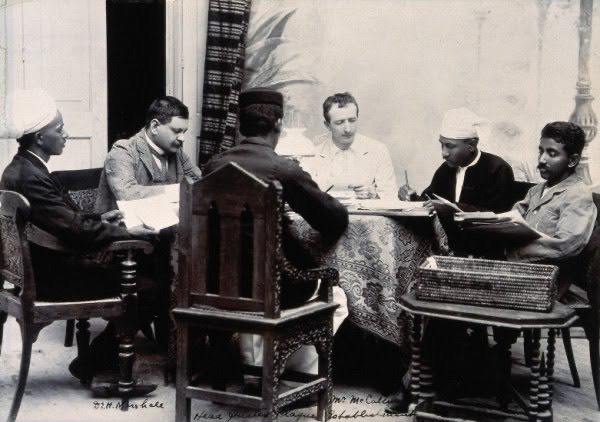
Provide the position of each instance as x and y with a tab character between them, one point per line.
118	405
354	411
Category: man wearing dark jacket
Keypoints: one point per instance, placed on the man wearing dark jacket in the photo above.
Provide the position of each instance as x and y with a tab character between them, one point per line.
261	111
473	179
38	127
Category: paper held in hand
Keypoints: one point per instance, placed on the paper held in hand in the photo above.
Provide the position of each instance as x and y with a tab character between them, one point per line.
156	212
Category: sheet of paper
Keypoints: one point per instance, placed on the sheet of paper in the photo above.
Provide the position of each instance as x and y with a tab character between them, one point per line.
130	218
445	201
156	212
387	204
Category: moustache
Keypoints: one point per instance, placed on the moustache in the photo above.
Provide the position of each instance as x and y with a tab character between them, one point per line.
542	167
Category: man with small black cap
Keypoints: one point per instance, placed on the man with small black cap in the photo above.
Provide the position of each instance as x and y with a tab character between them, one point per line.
261	113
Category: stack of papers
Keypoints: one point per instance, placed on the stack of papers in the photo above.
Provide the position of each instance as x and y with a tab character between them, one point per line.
156	212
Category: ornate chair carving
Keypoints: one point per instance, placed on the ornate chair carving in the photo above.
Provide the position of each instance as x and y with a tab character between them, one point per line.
230	269
82	186
32	315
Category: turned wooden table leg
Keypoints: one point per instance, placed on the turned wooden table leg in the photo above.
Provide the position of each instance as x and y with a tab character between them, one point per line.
415	366
425	376
535	375
546	379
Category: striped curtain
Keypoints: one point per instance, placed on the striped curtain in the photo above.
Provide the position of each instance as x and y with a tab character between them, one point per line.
223	73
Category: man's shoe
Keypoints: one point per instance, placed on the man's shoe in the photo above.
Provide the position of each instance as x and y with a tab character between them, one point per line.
84	373
398	403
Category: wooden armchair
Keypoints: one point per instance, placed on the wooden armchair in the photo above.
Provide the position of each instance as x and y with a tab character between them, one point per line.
230	270
32	315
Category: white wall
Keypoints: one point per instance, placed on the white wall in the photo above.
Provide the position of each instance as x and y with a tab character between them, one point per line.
408	61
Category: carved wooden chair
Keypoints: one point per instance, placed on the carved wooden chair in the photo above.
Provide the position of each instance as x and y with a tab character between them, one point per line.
230	269
32	315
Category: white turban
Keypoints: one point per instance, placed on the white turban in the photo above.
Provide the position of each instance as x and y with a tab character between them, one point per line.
27	111
460	123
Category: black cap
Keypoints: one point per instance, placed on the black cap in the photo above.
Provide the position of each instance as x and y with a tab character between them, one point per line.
261	96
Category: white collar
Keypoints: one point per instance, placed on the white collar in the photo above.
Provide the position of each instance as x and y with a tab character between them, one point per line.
477	157
358	146
155	147
39	158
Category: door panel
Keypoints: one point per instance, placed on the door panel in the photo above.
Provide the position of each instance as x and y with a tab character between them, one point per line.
62	49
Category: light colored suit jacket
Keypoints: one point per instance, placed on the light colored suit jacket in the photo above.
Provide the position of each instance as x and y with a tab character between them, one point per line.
566	214
130	172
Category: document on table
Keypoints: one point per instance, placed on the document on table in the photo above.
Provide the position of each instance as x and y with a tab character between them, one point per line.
155	212
509	225
387	204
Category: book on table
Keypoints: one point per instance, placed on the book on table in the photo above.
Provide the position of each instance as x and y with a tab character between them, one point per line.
508	226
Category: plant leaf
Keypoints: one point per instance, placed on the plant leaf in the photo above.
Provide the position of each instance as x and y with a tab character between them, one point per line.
269	25
258	53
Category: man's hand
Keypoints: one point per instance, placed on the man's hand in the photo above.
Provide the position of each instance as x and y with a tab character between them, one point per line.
142	232
364	191
113	217
406	193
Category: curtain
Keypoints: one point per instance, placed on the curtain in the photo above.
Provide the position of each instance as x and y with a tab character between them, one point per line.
223	73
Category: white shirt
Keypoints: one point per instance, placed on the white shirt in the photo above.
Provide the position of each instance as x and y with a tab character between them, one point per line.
158	150
365	162
39	158
460	176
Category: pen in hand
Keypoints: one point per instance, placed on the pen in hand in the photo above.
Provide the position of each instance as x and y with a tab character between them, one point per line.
406	177
329	188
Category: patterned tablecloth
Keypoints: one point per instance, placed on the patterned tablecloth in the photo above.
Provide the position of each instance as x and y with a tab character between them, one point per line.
377	258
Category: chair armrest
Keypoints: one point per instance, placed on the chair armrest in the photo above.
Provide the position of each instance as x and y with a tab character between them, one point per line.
49	241
329	277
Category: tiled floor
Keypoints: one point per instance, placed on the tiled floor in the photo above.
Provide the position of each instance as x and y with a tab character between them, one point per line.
52	394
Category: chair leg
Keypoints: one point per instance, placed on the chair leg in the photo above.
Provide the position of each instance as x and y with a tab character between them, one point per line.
270	380
3	318
566	337
325	397
69	332
83	337
593	336
527	339
28	336
182	402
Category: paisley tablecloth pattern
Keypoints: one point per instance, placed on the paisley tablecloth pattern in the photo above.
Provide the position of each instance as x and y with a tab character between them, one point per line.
377	258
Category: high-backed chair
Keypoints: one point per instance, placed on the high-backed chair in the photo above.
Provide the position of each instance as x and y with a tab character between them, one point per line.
82	186
230	271
18	298
584	297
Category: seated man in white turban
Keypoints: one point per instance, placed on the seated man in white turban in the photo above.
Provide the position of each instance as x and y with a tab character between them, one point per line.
34	120
473	179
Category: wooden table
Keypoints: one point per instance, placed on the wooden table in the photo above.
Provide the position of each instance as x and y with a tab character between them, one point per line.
539	405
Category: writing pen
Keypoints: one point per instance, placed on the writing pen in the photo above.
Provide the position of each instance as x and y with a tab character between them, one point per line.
329	188
406	177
